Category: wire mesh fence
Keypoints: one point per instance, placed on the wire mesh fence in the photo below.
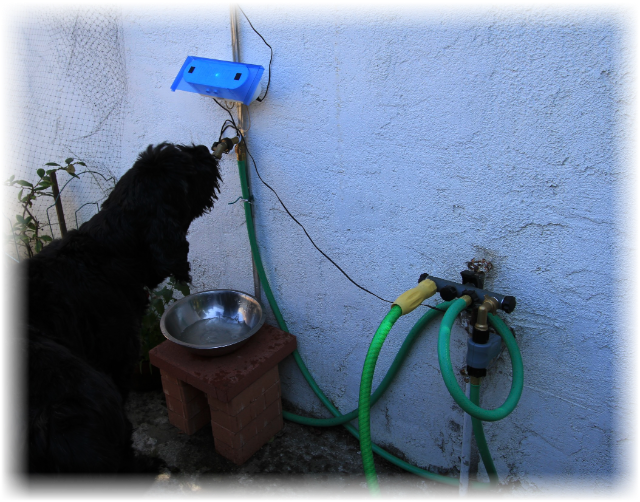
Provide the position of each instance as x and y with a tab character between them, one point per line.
68	101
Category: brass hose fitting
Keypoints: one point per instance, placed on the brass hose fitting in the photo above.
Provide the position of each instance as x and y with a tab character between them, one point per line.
224	146
489	305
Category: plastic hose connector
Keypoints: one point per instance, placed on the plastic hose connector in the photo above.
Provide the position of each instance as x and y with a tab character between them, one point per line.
479	355
409	300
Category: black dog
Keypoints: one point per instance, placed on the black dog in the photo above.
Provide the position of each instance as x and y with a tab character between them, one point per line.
86	298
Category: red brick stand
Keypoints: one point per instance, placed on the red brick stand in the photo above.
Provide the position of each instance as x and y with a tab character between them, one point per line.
238	392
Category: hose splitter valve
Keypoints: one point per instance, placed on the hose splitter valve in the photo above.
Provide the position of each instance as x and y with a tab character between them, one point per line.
483	346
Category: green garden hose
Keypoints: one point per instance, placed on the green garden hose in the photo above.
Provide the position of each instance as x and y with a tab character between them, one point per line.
339	418
444	358
402	354
364	405
255	252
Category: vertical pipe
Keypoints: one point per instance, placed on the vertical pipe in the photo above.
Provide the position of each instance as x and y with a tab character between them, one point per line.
235	45
244	120
465	458
241	148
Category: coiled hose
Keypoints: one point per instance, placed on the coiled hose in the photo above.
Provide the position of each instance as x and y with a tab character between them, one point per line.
364	406
338	417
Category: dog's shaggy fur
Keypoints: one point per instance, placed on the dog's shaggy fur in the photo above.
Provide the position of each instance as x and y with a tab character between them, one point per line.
86	298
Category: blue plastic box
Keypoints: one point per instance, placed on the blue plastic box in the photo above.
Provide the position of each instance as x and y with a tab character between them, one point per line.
219	79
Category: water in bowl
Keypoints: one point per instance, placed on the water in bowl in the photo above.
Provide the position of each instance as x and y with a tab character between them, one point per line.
217	331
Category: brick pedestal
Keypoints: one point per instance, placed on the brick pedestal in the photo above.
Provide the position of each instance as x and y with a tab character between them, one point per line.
238	392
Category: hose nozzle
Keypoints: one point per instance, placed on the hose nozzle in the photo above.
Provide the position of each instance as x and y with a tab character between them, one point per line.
225	145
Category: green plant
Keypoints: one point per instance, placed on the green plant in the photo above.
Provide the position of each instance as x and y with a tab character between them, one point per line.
26	229
159	299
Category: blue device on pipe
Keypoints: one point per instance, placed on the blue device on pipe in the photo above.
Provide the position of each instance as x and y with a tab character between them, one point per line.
219	79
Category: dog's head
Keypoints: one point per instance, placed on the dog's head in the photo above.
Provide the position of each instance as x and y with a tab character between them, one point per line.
157	199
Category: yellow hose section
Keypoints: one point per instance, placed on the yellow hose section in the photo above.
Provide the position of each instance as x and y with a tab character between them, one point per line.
409	300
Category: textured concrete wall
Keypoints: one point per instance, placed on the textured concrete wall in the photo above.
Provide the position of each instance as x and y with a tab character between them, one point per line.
409	142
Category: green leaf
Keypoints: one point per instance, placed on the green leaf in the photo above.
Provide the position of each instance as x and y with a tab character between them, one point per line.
32	226
43	185
183	287
20	219
46	238
23	183
10	180
71	169
38	246
40	172
166	294
82	164
52	164
158	305
69	160
20	194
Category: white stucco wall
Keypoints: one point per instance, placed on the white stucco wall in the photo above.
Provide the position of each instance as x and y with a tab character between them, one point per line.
411	141
412	138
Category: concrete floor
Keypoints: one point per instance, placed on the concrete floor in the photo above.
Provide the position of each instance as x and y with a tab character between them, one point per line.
298	460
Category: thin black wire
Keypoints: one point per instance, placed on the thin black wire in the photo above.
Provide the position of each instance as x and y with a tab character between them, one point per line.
270	59
307	233
225	126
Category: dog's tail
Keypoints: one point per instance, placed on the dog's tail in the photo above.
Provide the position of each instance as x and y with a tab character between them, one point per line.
63	424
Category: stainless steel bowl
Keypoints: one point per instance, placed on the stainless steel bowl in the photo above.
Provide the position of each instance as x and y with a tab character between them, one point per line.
213	323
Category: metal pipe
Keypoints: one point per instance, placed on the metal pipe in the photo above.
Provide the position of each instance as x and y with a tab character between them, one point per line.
244	119
243	123
235	45
465	457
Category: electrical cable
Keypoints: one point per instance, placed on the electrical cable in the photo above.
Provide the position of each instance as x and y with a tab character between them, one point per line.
232	125
270	59
307	233
255	167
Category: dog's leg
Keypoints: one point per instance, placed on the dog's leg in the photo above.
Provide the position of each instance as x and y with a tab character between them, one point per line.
77	422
